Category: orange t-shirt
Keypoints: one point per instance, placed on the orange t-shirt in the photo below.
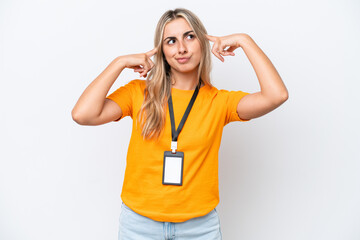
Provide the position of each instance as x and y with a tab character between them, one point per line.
199	139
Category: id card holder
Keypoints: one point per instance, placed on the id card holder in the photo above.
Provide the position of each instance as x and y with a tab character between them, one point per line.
173	168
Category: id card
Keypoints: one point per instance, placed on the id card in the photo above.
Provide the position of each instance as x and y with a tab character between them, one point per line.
173	168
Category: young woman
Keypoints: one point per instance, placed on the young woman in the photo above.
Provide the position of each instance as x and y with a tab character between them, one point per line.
170	187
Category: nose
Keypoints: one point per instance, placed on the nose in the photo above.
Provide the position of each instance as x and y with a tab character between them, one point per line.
182	47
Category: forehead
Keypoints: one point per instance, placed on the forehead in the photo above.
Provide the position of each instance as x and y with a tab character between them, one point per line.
176	27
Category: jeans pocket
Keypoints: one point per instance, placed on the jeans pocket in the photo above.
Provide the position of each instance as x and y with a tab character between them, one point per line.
124	210
219	222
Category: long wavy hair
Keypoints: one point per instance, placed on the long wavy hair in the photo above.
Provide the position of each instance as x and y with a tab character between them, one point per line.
152	113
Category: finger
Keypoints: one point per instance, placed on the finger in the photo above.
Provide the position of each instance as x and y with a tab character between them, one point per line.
222	49
215	51
211	38
137	67
146	64
147	67
145	70
151	52
139	70
217	54
142	73
228	53
231	49
151	63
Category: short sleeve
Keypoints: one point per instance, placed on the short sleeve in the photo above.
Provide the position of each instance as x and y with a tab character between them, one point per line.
123	96
232	99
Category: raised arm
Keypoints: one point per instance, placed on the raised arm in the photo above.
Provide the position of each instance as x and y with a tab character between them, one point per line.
93	108
273	91
90	105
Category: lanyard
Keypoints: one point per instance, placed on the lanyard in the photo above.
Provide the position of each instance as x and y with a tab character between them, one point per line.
175	134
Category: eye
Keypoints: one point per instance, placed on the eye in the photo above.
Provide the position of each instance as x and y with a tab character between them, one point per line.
170	41
192	36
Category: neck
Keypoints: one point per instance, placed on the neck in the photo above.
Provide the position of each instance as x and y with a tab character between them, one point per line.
184	81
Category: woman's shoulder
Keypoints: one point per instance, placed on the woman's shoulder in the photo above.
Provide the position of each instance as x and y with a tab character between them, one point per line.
212	90
138	82
221	93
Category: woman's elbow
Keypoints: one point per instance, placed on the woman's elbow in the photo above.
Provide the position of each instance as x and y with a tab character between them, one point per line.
282	97
78	118
285	96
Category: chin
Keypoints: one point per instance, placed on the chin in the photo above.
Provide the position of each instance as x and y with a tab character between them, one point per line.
185	68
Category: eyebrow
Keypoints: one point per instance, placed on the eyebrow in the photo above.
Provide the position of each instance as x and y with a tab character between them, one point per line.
186	33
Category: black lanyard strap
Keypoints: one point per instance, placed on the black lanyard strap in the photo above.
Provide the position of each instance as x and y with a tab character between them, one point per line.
176	133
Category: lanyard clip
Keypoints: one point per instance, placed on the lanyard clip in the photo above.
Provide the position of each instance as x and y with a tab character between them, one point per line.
173	146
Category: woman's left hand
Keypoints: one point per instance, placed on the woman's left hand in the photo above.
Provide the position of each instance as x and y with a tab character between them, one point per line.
220	43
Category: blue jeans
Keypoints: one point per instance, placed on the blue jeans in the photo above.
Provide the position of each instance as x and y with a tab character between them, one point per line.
134	226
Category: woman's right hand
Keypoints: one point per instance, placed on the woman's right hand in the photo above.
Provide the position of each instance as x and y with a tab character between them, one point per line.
140	62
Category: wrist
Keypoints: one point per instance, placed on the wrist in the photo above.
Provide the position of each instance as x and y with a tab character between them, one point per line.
242	39
120	62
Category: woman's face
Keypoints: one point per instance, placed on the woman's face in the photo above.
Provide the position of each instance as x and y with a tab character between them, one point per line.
181	47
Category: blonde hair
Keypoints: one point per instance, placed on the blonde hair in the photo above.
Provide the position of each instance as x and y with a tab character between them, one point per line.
152	113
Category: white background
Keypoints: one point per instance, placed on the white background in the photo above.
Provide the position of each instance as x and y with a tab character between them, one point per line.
291	174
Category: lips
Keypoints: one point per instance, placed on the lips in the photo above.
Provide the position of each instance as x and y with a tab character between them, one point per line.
183	60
